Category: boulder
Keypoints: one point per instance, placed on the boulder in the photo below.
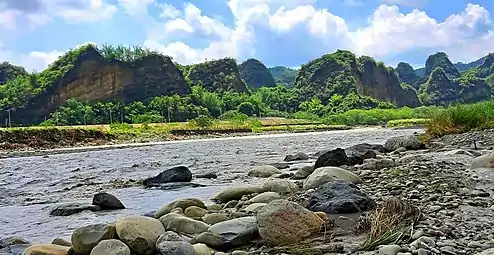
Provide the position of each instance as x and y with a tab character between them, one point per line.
235	193
84	239
72	208
265	197
336	157
210	239
323	175
111	247
214	207
12	240
303	172
175	174
279	186
357	153
202	249
183	203
409	142
46	249
282	165
340	197
295	157
107	201
62	242
263	171
195	212
484	161
213	218
140	233
182	224
170	243
236	232
253	208
282	222
377	164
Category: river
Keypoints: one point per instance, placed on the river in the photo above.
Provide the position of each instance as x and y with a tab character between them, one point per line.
30	186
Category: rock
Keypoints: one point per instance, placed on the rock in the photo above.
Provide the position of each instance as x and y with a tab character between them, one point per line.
323	216
84	239
169	236
328	174
424	242
111	247
303	172
213	218
282	175
279	186
239	253
377	164
210	239
175	248
484	161
263	171
487	252
207	175
231	204
107	201
410	142
340	197
181	224
389	249
458	152
46	249
236	232
13	240
295	157
62	242
265	197
195	212
253	208
281	165
201	249
140	233
72	208
214	207
175	174
179	203
357	153
282	222
235	193
336	157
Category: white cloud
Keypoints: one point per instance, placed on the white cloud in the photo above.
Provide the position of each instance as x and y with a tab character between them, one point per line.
32	61
135	7
169	11
178	25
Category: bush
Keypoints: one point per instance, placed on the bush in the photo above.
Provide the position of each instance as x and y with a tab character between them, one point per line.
203	122
148	118
246	108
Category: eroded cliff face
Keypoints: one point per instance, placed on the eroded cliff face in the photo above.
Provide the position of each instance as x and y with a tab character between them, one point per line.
94	78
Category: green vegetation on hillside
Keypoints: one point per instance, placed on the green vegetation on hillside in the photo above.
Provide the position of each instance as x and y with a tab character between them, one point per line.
283	75
216	75
9	72
256	74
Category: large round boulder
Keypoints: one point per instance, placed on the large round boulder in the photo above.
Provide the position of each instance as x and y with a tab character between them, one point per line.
175	174
183	203
67	209
182	224
170	243
265	197
279	186
282	222
235	232
409	142
107	201
296	156
358	153
323	175
84	239
303	172
235	193
111	247
484	161
140	233
263	171
46	249
340	197
336	157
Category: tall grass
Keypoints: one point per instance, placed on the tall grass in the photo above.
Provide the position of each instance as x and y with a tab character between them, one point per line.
461	118
378	116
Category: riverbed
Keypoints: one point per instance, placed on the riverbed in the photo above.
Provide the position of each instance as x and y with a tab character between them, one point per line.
30	186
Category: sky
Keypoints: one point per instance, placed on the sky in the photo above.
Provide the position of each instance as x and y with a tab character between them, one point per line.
33	33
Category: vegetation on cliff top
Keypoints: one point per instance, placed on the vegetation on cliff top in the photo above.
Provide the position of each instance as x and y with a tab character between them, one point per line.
283	75
216	75
256	74
9	72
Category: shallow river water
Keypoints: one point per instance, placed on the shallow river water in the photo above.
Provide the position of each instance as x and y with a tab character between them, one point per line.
30	186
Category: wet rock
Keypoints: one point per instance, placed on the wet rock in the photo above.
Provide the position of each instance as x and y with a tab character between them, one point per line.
111	247
195	212
487	252
484	161
213	218
46	249
212	240
253	208
279	186
13	240
389	249
410	142
303	172
377	164
323	175
182	224
201	249
175	174
107	201
214	207
62	242
281	165
84	239
297	156
183	203
263	171
140	233
207	176
235	193
336	157
174	247
282	222
72	208
235	232
357	153
340	197
265	197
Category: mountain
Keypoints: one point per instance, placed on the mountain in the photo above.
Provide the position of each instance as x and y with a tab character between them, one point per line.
342	73
10	72
283	75
256	74
217	75
460	66
406	73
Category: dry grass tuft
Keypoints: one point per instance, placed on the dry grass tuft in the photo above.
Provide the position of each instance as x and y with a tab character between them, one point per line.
389	223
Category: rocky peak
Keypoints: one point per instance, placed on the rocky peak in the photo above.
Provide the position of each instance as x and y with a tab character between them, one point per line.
256	74
217	75
441	60
487	67
439	89
406	73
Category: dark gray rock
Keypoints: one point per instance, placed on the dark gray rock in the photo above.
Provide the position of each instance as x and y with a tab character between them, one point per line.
72	208
207	176
212	240
236	232
107	201
175	174
357	153
410	142
295	157
336	157
281	165
340	197
175	248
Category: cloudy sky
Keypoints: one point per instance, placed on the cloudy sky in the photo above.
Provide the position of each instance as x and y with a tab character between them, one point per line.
33	33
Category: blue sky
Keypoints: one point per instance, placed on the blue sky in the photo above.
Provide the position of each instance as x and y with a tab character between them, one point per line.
278	32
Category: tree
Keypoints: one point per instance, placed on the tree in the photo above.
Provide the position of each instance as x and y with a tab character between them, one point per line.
246	108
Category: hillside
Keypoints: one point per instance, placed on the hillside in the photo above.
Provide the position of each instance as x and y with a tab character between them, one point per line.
256	74
217	75
460	66
10	72
283	75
